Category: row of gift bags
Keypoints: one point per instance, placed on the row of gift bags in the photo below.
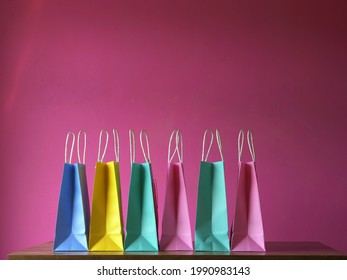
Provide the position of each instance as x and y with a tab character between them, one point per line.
103	230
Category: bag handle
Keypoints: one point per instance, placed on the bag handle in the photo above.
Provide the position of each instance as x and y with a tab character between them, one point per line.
179	140
132	146
147	157
250	143
240	141
70	133
219	143
101	159
84	146
116	143
203	145
169	158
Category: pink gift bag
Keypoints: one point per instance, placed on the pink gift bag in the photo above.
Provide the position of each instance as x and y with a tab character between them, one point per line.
247	232
176	229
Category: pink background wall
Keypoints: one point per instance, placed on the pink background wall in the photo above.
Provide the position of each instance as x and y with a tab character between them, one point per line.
277	67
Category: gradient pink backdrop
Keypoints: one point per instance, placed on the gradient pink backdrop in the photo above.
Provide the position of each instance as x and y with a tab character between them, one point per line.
276	67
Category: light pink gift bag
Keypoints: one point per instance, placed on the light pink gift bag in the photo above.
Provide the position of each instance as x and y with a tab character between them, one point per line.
247	231
176	228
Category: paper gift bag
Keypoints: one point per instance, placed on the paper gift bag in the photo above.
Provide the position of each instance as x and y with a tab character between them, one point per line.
106	226
72	226
141	226
247	232
176	230
211	227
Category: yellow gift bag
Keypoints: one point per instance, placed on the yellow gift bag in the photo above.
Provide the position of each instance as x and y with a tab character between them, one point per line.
106	226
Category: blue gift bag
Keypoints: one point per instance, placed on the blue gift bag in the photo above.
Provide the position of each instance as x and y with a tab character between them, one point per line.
72	227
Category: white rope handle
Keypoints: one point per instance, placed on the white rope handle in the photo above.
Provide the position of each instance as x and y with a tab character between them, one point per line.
240	141
179	140
100	159
72	145
147	157
251	143
203	145
116	143
219	142
169	156
132	146
84	146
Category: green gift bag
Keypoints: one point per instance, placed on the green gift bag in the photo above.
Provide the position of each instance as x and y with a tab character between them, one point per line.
141	226
211	226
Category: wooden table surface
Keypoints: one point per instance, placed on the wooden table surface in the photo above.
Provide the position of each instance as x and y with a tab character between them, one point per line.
275	251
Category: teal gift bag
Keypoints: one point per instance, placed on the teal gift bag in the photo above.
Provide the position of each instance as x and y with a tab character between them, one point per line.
141	225
211	226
